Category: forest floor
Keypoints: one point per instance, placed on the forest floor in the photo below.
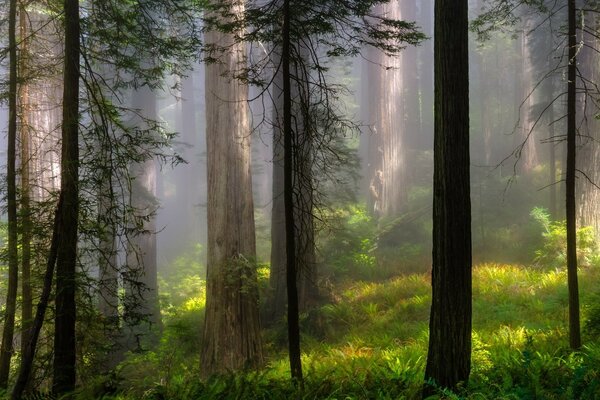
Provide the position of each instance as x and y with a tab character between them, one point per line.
370	342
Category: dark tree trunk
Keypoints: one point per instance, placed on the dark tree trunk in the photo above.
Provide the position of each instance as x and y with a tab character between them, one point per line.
288	195
574	325
36	326
449	354
6	350
231	333
304	232
64	339
26	233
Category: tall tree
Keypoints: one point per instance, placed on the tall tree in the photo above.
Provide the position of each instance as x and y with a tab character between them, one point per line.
574	323
386	142
66	276
13	261
25	157
304	230
449	353
231	333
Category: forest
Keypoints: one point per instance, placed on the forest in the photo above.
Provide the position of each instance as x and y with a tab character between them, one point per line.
284	199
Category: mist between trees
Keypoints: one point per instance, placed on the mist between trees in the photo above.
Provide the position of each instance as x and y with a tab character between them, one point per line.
317	199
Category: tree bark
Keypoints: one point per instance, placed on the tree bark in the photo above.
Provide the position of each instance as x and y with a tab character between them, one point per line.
449	353
288	195
574	323
387	143
66	277
231	333
7	349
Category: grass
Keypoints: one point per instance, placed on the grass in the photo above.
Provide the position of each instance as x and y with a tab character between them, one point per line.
371	343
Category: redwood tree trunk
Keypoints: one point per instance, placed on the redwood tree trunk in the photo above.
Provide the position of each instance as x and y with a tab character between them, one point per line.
449	354
64	340
231	333
387	145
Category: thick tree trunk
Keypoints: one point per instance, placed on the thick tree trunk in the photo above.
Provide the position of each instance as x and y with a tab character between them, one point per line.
588	147
231	333
526	138
7	349
574	325
387	147
66	277
449	354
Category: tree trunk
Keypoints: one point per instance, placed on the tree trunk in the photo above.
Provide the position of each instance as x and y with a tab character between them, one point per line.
387	148
231	333
574	325
26	221
288	196
64	339
528	154
7	349
449	353
304	232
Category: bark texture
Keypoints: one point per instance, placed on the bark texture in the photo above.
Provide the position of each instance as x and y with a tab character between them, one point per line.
66	277
231	333
387	148
449	353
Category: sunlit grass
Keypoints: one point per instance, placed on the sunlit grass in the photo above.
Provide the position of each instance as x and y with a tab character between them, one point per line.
371	342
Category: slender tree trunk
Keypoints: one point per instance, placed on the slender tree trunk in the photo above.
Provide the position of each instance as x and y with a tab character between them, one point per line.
288	195
11	195
449	354
30	346
231	333
26	233
66	279
574	325
304	231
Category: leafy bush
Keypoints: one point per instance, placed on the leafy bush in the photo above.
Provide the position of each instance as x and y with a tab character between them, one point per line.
554	250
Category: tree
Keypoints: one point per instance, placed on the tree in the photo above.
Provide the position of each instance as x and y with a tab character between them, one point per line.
387	150
303	207
574	323
13	261
231	333
449	353
66	274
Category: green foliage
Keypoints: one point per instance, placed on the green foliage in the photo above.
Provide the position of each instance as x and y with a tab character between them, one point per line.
553	252
350	250
371	343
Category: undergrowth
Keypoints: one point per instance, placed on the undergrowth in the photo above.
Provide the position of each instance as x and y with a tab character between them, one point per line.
371	343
